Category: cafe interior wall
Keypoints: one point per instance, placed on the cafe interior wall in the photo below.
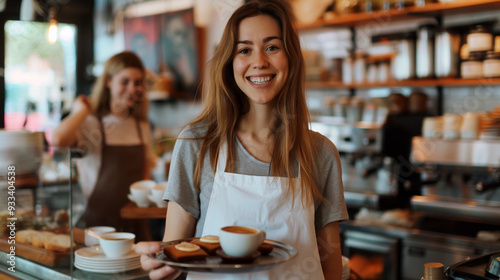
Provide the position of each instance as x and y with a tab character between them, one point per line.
209	15
455	99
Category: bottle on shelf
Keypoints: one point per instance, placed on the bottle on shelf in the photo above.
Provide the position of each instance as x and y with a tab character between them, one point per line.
425	51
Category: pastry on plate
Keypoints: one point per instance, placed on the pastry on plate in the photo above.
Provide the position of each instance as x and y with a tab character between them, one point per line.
185	252
209	243
25	235
58	242
38	239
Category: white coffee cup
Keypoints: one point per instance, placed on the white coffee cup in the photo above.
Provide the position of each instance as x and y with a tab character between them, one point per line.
92	232
240	241
470	126
432	127
156	195
140	191
117	244
159	189
451	125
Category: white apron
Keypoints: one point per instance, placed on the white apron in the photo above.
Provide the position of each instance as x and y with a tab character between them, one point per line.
259	201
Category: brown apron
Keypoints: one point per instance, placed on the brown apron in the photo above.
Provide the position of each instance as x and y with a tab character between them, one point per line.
120	167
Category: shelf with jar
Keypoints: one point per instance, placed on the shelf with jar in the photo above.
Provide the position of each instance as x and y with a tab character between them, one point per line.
444	82
431	56
359	15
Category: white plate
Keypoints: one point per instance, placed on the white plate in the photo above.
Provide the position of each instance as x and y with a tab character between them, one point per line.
96	253
107	264
110	266
106	270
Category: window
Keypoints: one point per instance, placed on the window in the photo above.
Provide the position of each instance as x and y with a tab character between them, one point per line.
40	78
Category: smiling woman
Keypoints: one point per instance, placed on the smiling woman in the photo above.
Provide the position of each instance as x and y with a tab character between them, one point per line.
250	157
112	128
260	63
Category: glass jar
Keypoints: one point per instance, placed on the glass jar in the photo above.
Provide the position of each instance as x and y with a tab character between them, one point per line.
472	68
384	71
425	51
347	65
422	3
372	72
401	4
369	6
385	5
491	65
359	67
480	39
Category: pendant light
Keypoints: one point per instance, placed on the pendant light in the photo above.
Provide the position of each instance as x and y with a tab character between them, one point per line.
52	30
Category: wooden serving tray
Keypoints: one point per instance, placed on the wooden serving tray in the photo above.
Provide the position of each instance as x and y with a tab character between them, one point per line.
37	254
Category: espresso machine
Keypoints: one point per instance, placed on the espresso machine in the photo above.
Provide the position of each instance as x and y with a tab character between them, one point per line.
373	138
459	200
460	178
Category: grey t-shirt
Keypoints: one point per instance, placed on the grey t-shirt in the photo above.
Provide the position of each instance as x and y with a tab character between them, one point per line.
180	187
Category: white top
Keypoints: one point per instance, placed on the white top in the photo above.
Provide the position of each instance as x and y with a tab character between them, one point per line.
117	131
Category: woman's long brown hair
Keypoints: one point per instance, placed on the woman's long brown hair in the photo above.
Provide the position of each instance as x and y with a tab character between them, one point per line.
225	103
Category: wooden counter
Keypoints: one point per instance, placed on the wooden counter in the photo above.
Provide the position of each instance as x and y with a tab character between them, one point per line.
131	211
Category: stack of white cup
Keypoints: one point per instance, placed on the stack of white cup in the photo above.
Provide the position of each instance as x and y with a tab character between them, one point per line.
145	192
156	195
452	126
139	192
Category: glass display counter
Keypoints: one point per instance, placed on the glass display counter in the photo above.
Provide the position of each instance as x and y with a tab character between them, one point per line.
38	239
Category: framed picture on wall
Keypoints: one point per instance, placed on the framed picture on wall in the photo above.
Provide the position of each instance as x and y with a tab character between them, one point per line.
179	51
142	37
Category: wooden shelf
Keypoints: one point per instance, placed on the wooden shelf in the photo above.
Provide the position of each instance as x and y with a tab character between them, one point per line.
358	18
457	7
432	9
131	211
445	82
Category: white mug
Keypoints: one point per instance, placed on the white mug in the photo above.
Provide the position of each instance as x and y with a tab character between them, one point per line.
140	191
240	241
91	234
432	127
470	126
451	125
117	244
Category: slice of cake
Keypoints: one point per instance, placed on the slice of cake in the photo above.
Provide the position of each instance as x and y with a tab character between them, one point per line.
185	252
209	243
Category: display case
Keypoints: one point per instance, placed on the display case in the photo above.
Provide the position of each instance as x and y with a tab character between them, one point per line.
36	206
41	205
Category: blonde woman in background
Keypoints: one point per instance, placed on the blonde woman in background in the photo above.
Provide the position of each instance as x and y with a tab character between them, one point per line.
112	129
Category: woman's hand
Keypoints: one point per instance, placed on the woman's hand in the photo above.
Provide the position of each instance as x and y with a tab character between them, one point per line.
65	134
157	270
81	104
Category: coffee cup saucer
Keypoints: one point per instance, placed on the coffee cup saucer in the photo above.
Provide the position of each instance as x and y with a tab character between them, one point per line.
230	259
139	203
159	202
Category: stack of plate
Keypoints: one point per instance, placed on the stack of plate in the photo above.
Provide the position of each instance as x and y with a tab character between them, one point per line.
93	259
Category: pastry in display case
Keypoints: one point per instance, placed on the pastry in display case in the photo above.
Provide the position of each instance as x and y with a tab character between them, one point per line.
35	220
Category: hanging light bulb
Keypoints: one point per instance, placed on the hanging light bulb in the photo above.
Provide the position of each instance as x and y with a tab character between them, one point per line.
52	30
